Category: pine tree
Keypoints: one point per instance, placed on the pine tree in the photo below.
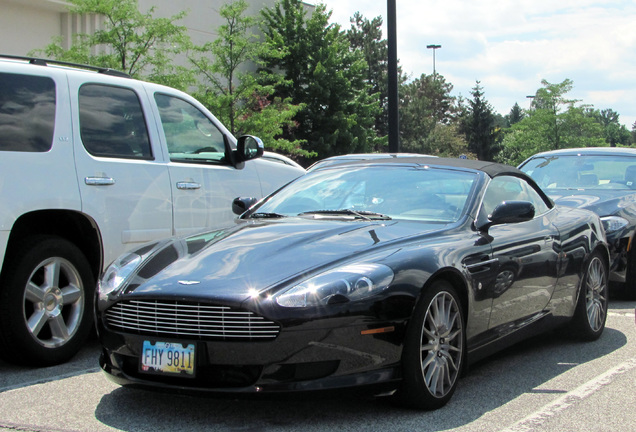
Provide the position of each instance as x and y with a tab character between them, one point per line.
366	36
516	114
323	74
479	126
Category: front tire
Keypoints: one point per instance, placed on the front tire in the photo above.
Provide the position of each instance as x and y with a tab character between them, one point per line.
591	308
46	302
434	349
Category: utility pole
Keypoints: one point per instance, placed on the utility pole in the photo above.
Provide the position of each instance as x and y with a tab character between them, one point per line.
394	127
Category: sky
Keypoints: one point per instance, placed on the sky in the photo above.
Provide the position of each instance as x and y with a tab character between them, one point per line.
511	46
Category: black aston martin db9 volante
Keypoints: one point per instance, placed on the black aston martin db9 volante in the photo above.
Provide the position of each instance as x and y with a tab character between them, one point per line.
601	179
392	274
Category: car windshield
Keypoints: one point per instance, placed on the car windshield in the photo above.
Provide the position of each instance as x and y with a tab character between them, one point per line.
373	192
583	171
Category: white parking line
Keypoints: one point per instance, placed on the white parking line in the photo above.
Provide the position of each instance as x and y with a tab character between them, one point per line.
550	410
629	313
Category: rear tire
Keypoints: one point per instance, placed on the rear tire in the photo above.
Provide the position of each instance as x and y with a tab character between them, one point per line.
590	315
434	349
46	302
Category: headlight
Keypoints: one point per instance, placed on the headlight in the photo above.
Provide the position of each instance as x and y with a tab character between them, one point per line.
349	283
117	273
613	223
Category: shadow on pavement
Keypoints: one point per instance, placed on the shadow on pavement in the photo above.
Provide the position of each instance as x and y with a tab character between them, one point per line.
489	384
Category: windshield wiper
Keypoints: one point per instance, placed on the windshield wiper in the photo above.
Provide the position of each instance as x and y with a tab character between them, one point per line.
266	215
362	214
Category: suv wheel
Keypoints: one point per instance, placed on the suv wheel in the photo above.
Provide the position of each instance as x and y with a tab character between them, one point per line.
46	302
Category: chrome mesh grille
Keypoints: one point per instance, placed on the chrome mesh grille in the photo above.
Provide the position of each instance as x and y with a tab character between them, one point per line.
192	320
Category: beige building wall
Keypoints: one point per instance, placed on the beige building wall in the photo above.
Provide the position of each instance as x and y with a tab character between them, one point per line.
26	25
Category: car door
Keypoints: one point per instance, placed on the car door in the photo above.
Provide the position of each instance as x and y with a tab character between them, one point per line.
526	255
203	181
123	182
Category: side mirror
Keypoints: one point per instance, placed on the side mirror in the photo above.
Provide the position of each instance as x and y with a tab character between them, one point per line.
240	205
510	212
249	147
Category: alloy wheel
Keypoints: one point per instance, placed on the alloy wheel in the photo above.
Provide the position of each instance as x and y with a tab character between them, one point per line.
442	344
596	294
53	302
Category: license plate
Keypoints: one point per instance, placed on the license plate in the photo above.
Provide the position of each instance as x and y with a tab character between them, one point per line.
167	358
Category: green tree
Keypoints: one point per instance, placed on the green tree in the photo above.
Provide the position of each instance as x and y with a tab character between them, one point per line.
424	103
366	36
446	141
516	115
323	74
233	94
479	125
552	122
615	132
132	42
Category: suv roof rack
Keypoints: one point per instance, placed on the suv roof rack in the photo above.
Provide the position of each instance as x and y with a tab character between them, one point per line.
46	62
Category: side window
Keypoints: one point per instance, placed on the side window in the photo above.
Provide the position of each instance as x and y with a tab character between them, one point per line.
508	188
190	135
533	196
112	123
27	113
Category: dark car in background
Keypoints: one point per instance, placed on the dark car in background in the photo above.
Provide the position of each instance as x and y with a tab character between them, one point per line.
391	274
603	180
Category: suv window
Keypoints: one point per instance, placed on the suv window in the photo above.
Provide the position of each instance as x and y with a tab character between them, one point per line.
112	122
190	135
27	113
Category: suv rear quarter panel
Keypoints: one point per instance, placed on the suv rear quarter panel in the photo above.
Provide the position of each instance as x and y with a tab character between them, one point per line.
32	181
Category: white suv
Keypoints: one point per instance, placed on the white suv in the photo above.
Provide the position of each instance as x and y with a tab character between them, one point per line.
93	163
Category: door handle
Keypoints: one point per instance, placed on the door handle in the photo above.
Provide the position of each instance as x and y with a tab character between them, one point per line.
99	181
479	266
186	185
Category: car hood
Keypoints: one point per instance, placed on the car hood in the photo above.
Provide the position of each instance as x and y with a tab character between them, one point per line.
602	202
252	257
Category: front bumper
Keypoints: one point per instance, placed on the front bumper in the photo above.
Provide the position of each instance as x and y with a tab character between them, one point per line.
307	359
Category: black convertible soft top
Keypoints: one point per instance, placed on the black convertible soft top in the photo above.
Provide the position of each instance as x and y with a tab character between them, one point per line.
493	169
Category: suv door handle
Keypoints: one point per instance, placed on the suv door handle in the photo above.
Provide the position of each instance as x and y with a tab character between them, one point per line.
99	181
186	185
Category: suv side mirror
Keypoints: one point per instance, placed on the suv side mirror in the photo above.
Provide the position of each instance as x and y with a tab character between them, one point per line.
510	212
249	147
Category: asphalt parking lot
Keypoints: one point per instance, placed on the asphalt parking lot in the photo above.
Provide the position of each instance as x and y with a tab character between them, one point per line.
549	383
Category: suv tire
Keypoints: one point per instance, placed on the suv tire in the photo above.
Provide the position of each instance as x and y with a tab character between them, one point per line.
46	302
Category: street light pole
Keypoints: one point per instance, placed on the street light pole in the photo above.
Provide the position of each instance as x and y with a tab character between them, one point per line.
394	128
434	48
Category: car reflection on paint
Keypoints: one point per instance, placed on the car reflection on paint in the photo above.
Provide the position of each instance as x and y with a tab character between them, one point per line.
392	274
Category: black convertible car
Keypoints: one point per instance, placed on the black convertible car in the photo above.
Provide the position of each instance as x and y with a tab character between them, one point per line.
393	274
601	179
